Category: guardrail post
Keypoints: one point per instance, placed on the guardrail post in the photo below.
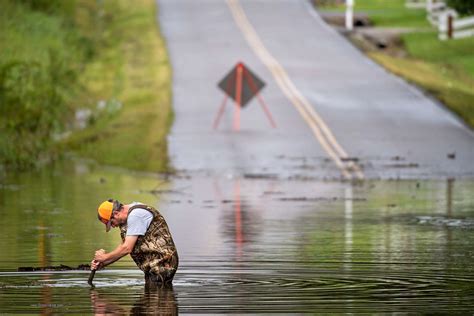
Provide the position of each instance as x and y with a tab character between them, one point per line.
349	14
446	25
429	5
442	27
450	25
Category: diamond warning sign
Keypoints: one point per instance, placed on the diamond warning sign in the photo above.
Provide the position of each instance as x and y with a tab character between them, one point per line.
241	85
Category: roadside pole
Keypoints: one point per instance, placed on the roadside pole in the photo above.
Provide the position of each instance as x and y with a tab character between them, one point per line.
349	14
429	5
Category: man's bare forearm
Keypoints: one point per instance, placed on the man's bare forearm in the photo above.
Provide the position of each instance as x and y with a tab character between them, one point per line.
116	254
122	250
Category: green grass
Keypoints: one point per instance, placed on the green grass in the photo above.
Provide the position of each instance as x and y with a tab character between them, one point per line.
40	58
454	89
443	68
458	54
386	13
57	57
134	70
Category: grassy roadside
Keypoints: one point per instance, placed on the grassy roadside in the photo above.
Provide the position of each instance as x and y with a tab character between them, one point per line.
86	76
443	68
381	12
447	76
129	92
41	54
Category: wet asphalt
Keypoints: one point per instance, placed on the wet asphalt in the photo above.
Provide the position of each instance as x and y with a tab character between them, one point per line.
385	127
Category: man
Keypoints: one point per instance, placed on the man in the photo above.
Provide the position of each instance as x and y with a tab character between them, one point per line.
145	236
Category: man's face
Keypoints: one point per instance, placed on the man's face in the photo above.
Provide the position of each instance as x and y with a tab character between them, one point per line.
116	219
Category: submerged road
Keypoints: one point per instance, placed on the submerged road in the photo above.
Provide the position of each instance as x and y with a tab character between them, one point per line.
338	114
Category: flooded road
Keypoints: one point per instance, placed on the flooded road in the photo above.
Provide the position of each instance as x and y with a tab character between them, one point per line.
246	244
264	220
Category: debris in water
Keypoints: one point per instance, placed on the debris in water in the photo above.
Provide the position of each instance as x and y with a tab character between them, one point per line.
403	165
61	267
445	221
346	159
260	176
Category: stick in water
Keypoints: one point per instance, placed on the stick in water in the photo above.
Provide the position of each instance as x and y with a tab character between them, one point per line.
91	277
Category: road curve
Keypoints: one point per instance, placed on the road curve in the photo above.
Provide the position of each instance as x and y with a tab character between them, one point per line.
338	114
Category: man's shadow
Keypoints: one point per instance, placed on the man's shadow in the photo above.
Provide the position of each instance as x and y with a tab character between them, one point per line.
153	300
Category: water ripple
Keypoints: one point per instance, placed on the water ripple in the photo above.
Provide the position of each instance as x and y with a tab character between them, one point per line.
282	289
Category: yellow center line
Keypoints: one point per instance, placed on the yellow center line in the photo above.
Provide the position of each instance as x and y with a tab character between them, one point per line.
319	128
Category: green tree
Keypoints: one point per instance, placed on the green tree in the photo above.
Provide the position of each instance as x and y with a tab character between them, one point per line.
464	7
33	107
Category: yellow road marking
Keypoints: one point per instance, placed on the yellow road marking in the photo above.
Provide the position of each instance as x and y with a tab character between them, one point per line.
319	128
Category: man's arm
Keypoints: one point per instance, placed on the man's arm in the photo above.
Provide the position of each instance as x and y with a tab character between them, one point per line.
122	250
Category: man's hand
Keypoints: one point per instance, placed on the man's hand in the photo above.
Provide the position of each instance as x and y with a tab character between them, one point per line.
96	265
100	256
122	250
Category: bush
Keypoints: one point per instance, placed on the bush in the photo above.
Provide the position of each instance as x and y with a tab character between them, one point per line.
464	7
33	107
41	55
63	7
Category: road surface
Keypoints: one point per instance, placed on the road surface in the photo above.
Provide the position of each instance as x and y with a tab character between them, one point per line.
338	114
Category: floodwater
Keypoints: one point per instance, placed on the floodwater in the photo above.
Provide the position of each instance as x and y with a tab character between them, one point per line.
246	244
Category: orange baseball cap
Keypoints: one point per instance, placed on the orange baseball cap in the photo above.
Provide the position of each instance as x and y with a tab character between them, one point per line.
105	210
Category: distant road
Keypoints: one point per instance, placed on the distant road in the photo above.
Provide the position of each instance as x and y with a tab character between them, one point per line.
338	114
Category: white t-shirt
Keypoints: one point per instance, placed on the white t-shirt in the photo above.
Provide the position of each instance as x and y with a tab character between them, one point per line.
138	221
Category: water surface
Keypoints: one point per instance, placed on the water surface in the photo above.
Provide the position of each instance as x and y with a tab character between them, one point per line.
246	244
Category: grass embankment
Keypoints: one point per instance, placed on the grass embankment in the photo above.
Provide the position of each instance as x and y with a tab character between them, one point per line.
443	68
40	58
132	73
102	58
381	12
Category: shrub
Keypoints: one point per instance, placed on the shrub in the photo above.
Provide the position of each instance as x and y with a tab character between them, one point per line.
33	107
41	54
464	7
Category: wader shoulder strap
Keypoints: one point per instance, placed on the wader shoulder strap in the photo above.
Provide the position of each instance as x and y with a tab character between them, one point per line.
142	206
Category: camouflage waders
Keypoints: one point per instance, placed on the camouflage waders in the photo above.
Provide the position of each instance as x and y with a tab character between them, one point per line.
154	253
